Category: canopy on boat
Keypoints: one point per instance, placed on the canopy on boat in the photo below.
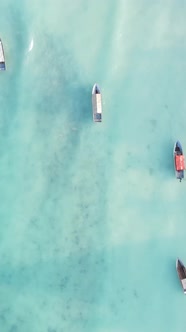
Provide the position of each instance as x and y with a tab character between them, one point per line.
179	161
183	281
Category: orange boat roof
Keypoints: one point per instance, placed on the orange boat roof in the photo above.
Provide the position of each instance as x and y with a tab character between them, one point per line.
179	162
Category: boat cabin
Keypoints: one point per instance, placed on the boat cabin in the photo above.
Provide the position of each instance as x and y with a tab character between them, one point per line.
183	281
97	107
179	162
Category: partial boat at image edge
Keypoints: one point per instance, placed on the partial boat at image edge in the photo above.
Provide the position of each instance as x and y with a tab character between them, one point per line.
2	57
181	270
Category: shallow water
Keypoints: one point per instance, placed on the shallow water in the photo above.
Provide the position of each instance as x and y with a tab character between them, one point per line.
92	217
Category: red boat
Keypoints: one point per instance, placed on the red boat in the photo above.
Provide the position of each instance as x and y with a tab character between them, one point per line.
179	162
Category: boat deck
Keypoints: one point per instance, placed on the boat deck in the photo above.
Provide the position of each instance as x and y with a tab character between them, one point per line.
181	271
2	58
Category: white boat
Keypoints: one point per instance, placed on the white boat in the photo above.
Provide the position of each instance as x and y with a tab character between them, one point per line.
96	103
2	57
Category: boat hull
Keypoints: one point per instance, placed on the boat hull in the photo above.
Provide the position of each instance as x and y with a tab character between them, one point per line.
181	270
2	57
96	104
178	151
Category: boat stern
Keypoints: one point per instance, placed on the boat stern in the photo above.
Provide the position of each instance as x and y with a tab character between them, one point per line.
180	175
2	57
2	66
97	117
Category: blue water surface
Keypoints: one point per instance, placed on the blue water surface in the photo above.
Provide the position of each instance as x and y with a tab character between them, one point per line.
92	217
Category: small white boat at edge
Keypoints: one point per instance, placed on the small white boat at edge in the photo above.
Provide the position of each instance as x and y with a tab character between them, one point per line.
2	57
96	103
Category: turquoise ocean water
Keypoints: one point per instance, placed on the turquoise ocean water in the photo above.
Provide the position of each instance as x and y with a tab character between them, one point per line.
91	215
